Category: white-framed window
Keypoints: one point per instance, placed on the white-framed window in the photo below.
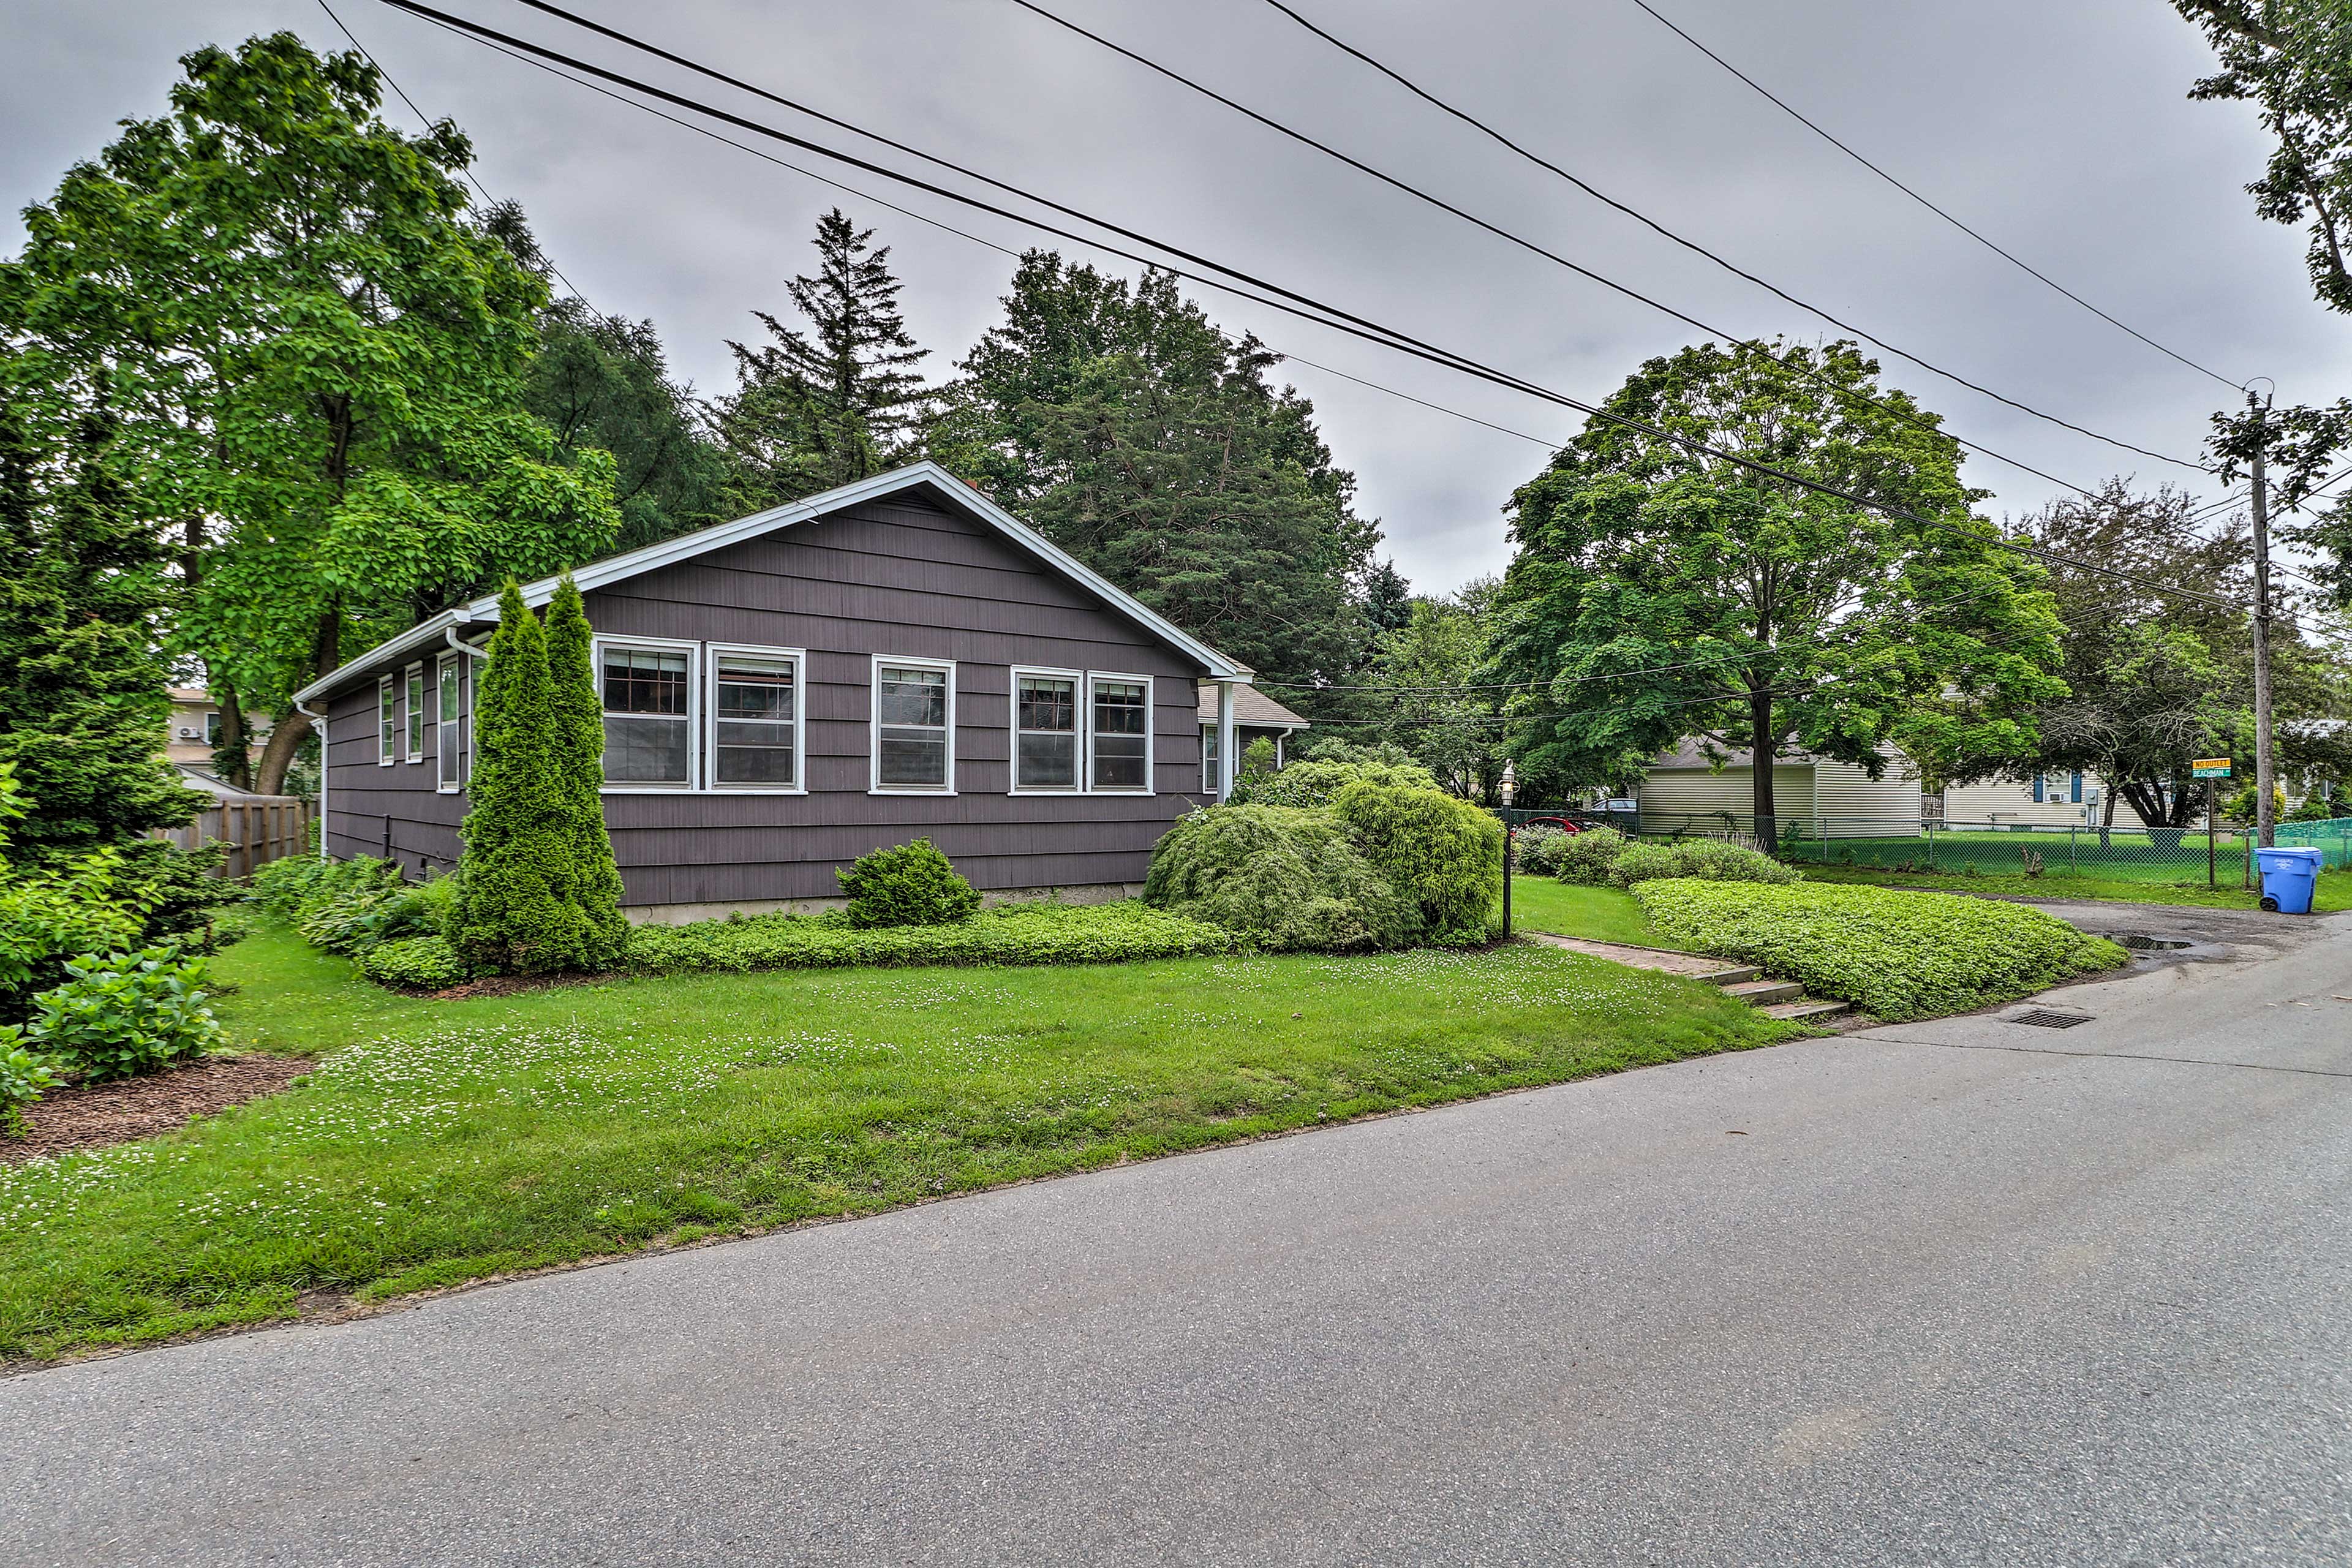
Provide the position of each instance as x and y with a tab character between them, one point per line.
755	737
1119	734
1208	759
647	687
413	688
913	738
448	711
387	722
212	728
1047	743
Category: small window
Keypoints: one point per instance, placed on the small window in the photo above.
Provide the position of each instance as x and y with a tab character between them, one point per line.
914	711
754	716
1208	759
1119	755
387	722
415	711
212	729
647	725
446	739
1045	731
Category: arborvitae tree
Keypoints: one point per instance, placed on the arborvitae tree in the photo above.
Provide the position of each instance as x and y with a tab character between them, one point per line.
576	735
815	411
84	703
523	904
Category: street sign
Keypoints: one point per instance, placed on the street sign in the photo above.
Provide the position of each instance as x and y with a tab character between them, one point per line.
2209	768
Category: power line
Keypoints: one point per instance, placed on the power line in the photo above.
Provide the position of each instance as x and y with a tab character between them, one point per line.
1781	105
471	178
1589	189
1272	295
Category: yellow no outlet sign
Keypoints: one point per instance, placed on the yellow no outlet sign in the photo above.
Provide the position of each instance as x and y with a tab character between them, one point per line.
2209	768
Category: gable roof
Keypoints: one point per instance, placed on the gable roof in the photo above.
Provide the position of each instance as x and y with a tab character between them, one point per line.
936	482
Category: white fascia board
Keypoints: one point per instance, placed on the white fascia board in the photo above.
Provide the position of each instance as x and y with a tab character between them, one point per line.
669	552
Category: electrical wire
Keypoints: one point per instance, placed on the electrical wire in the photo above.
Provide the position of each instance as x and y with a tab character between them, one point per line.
1776	102
1599	195
1272	295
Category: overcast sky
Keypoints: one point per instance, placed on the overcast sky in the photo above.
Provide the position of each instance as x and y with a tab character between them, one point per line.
2060	130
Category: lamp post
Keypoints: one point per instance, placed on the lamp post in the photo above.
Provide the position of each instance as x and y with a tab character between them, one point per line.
1510	787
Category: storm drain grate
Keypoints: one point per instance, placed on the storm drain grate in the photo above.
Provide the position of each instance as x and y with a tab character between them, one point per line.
2045	1018
2140	941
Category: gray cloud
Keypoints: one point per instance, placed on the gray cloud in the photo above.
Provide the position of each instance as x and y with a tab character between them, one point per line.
2061	130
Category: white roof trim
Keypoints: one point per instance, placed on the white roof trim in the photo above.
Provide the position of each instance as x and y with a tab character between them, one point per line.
652	557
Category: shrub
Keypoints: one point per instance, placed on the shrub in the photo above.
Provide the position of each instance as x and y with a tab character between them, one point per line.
1315	781
1283	878
341	908
1896	955
906	885
1540	849
1587	857
49	920
1704	860
1443	853
415	964
180	893
1036	934
23	1074
126	1012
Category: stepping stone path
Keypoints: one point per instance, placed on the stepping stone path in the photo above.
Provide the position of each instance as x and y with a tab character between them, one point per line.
1780	998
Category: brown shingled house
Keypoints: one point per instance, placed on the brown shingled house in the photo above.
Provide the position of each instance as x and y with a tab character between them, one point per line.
897	657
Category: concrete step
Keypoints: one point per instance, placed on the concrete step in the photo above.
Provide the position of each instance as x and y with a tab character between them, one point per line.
1730	977
1764	992
1804	1012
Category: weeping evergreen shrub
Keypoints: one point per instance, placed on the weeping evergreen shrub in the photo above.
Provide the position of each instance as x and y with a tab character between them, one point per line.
1443	853
1281	877
537	892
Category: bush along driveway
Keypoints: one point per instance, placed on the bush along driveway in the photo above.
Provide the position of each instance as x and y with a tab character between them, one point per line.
443	1141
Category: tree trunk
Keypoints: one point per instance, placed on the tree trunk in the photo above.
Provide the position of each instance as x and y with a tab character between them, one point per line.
1761	745
2107	813
326	653
232	756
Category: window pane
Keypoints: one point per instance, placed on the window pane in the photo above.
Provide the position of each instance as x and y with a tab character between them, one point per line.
1118	762
913	757
448	709
1118	708
449	754
387	722
644	750
1049	762
643	681
754	754
1048	704
416	714
755	689
1208	758
912	696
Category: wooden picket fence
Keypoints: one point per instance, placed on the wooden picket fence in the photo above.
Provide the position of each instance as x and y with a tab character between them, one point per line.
257	829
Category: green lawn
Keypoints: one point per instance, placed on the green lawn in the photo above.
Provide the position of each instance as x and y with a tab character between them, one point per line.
2129	857
1564	908
2335	891
443	1141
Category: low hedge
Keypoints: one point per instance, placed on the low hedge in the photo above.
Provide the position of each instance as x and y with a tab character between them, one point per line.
1895	956
1700	860
1009	934
416	964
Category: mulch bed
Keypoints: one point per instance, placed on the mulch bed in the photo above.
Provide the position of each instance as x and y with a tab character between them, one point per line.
91	1116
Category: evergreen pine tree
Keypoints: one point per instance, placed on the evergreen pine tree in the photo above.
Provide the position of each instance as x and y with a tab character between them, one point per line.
812	412
84	702
576	735
523	899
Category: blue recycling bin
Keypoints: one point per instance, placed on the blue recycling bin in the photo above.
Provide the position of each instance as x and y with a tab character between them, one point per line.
2290	878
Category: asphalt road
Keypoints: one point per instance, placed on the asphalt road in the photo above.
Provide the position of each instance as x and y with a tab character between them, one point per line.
1970	1292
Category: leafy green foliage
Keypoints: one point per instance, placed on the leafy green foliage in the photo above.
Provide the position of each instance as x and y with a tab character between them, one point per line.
126	1012
180	893
1660	594
1435	711
83	698
1133	433
1587	857
538	890
415	964
49	918
1539	850
1895	956
1026	933
1704	860
905	885
23	1074
1281	878
1444	855
316	358
809	415
1313	780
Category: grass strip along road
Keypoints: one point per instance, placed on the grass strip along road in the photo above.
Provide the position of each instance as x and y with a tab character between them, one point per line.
445	1142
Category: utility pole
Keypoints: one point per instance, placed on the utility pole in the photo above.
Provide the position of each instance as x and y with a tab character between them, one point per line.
2265	824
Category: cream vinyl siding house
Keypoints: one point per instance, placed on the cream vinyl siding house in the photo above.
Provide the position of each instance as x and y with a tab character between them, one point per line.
2063	800
1683	792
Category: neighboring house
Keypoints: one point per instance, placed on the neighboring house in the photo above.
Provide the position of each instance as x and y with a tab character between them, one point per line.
897	658
2053	800
1686	792
195	730
1255	715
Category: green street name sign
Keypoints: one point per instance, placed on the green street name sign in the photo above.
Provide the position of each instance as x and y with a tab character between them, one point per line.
2210	768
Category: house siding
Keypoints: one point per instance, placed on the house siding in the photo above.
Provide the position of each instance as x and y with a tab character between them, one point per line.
896	577
1672	799
1851	803
2009	801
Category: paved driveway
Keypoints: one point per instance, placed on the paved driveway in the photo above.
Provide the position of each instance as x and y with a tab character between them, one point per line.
1969	1292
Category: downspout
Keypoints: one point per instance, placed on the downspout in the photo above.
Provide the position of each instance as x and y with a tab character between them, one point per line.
319	728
